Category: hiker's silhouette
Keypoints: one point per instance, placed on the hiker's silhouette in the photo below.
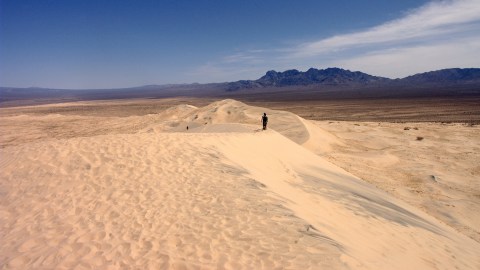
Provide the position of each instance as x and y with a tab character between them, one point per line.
264	121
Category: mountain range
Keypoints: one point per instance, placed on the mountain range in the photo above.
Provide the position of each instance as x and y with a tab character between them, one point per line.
329	76
338	76
330	83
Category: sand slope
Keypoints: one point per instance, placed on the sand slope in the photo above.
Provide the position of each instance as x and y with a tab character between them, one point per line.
221	195
439	174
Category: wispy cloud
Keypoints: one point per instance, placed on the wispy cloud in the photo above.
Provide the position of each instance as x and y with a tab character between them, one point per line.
440	34
408	60
244	57
425	24
224	71
238	65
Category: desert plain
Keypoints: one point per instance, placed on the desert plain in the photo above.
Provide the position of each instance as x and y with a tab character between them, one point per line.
123	184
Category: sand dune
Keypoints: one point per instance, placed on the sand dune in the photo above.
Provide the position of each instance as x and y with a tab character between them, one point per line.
439	174
143	192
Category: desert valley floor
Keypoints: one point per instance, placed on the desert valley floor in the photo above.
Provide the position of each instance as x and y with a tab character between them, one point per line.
125	184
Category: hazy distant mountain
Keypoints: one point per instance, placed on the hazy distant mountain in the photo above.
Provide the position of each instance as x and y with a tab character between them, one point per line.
452	75
330	83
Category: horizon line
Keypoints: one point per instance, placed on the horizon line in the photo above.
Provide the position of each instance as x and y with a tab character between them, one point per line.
197	83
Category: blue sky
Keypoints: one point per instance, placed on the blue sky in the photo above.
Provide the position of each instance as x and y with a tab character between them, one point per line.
108	44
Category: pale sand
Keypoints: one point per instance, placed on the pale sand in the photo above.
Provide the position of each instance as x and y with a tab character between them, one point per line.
439	174
142	192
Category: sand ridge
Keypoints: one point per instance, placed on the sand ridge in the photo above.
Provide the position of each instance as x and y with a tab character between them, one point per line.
360	219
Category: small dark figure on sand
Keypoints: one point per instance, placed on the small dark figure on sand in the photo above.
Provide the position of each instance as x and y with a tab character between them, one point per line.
264	121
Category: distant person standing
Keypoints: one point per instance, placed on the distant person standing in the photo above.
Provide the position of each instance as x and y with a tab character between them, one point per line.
264	121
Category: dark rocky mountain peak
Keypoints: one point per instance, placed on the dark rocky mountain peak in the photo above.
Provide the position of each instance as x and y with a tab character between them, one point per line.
330	76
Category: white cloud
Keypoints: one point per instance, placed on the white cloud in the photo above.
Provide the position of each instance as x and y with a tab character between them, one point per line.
440	34
425	24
